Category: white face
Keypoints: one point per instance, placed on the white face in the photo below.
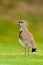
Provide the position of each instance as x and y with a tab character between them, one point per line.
22	23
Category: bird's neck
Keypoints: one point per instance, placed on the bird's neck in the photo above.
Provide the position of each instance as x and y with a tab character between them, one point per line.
23	29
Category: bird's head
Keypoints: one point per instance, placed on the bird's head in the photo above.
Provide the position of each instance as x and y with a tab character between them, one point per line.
22	23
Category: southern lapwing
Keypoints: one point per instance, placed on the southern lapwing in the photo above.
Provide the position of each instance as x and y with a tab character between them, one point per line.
26	38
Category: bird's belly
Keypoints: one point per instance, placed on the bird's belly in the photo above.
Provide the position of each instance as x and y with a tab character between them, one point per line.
21	43
26	38
24	43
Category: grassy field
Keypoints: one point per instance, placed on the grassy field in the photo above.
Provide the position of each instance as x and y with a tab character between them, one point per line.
11	51
14	55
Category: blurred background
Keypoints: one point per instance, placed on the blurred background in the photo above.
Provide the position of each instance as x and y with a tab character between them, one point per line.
11	11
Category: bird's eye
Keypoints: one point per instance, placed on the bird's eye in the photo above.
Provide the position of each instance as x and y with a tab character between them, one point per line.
21	22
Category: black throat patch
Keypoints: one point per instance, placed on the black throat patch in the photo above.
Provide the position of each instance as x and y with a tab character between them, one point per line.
20	34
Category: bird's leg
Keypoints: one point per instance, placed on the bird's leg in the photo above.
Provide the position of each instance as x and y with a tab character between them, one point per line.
28	51
25	51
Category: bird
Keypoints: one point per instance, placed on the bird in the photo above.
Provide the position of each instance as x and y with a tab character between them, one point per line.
26	37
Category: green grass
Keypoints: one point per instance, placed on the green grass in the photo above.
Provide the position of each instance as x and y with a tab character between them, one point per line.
11	51
20	59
